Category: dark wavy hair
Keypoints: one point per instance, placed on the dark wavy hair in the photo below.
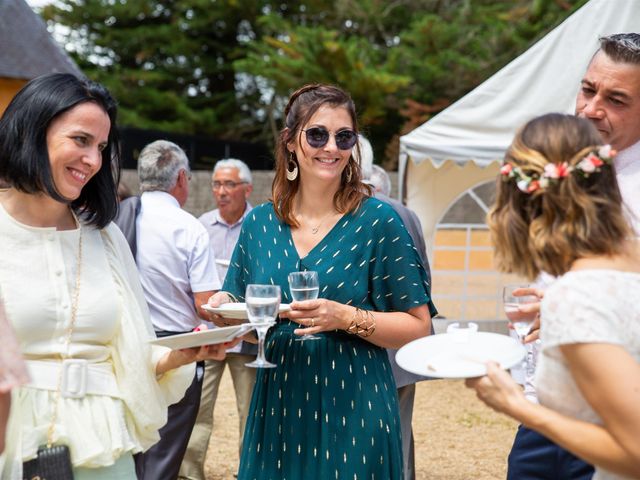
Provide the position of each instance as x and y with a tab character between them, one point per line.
622	47
24	157
575	217
303	104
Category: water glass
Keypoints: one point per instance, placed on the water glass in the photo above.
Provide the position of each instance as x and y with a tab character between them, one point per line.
521	321
263	302
304	286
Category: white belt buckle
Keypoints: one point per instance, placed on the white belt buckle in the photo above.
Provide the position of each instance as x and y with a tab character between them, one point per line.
74	378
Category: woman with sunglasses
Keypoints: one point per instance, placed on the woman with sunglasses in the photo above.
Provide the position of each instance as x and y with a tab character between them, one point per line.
329	409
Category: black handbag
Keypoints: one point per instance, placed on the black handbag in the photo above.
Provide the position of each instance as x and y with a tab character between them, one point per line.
52	463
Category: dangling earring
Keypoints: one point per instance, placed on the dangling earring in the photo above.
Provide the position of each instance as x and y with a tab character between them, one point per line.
292	173
349	173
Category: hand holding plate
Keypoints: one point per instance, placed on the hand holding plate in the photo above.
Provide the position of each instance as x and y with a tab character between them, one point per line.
499	391
215	300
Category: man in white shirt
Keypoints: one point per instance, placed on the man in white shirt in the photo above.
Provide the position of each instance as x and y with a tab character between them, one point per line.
231	186
178	275
609	97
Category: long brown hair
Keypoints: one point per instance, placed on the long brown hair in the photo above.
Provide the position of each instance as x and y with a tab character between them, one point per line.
574	217
303	104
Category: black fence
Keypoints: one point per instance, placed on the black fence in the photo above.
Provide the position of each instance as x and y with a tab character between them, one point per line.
203	152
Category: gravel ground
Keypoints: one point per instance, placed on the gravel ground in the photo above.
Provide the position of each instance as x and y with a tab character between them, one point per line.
456	436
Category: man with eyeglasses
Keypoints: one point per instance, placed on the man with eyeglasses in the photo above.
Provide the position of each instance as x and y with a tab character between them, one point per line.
231	185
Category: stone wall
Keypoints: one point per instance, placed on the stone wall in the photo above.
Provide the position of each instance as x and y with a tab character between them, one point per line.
200	196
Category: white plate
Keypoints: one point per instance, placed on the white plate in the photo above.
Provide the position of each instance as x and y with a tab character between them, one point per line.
224	263
203	337
449	355
238	311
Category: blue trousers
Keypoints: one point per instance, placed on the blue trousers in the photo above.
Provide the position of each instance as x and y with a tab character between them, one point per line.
535	457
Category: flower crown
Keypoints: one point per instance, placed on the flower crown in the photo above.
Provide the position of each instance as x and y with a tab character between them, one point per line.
529	183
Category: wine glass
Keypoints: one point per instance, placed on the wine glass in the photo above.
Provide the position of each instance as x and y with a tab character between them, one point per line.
521	321
304	286
262	302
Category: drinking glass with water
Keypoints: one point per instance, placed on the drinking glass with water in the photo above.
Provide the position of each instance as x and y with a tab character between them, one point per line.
520	321
263	302
304	286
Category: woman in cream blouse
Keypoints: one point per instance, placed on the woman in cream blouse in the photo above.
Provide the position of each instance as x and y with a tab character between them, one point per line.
71	290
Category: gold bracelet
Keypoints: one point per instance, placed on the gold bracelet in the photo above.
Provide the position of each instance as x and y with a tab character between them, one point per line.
363	323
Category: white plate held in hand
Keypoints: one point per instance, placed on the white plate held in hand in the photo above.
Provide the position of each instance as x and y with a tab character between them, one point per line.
448	356
203	337
237	311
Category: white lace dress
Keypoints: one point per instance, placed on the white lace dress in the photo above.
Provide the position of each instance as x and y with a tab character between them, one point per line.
585	306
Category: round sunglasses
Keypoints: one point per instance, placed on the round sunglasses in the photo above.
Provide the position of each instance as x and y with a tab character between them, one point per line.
318	137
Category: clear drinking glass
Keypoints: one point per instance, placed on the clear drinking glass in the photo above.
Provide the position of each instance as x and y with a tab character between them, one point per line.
521	321
304	286
262	302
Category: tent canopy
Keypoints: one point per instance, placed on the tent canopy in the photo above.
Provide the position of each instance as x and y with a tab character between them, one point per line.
479	127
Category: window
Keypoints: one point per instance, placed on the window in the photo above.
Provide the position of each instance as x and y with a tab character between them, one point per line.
466	285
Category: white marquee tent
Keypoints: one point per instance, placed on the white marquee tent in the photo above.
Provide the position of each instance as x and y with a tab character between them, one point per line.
461	147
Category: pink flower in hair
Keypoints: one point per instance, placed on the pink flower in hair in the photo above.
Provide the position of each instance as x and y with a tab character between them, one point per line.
550	170
597	161
523	185
553	173
533	186
606	151
587	164
563	170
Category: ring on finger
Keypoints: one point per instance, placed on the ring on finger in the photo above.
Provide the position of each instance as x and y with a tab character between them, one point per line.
313	322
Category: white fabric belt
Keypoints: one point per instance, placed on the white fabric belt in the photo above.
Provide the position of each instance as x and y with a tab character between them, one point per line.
79	377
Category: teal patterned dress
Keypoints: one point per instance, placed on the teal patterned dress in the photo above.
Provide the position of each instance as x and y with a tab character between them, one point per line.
329	410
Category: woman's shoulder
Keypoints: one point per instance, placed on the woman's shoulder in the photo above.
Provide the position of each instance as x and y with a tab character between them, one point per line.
113	239
372	202
375	208
591	306
592	288
262	215
588	277
572	281
377	214
261	210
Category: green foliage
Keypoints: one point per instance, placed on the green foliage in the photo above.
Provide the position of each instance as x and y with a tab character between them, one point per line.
168	62
225	68
318	55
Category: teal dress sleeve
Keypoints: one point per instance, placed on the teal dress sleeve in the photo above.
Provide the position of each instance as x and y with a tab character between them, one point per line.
398	281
